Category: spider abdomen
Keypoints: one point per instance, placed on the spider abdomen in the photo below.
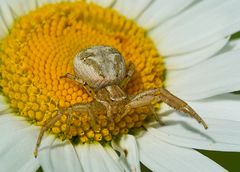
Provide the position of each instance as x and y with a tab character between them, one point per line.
100	66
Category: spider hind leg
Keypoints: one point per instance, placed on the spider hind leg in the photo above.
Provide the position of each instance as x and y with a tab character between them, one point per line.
155	95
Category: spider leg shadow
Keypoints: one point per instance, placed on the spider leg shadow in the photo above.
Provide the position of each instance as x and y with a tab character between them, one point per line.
52	145
6	110
185	125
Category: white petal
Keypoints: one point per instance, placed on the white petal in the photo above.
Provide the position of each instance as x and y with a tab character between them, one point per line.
104	3
218	75
190	59
3	103
44	153
224	107
3	27
128	143
131	9
116	158
160	10
232	45
200	26
181	130
84	157
160	156
93	157
58	156
56	1
30	166
21	7
43	2
235	44
6	15
16	144
16	123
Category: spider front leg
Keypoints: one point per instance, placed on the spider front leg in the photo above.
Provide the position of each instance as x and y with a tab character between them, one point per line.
91	92
142	99
75	78
160	94
76	107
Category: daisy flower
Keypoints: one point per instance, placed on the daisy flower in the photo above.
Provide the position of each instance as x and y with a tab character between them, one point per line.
182	45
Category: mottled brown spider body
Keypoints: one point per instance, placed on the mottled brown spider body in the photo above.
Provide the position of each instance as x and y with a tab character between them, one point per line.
100	66
101	70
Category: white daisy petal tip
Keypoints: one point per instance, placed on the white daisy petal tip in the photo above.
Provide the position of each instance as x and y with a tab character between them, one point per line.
129	146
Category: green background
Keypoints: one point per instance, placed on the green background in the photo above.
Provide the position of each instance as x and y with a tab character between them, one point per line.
229	160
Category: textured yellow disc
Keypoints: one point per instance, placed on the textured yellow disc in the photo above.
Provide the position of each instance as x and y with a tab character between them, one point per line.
40	48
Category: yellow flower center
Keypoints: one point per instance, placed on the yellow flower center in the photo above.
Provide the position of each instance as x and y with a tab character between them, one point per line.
40	48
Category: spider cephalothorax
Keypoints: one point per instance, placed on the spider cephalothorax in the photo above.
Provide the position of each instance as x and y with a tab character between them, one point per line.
101	70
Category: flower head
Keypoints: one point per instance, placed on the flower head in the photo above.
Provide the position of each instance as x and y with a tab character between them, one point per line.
183	45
